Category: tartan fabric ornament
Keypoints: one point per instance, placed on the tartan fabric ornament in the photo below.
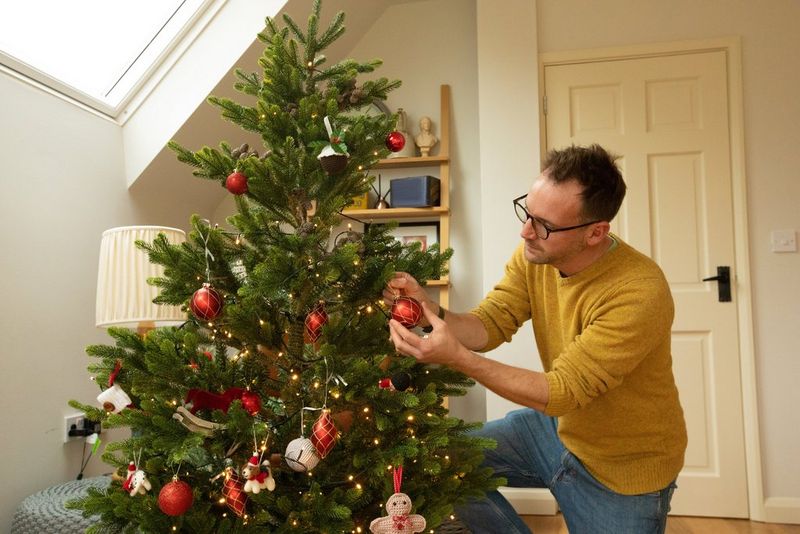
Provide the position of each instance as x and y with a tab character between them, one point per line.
315	321
233	491
324	433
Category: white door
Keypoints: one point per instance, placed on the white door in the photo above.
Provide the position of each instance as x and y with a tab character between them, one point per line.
667	117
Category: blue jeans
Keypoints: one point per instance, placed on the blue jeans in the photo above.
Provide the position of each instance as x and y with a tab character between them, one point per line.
529	454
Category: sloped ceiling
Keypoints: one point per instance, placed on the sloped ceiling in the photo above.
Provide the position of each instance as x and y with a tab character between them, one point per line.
164	176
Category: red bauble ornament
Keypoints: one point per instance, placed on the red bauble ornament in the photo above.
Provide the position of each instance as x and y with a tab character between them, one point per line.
315	321
233	491
395	141
206	303
407	311
251	402
323	435
175	498
236	183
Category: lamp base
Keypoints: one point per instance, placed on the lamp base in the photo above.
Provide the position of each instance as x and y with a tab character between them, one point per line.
144	327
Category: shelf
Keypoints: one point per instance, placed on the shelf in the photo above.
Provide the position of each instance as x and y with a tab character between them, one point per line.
416	161
441	213
397	213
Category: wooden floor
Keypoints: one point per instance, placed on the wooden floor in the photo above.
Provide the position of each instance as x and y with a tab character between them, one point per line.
554	524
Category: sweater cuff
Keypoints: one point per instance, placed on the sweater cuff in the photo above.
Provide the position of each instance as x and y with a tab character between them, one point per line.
559	401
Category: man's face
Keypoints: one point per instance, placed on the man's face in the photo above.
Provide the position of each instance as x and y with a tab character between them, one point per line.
558	206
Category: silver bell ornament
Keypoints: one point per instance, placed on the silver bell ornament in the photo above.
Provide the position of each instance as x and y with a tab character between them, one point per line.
301	455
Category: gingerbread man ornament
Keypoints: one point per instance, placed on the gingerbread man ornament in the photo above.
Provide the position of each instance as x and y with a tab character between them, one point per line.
398	507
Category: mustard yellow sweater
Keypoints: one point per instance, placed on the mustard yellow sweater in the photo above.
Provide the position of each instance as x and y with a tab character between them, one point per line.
604	340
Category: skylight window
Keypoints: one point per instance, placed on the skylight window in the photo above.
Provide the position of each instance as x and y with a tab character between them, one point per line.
98	52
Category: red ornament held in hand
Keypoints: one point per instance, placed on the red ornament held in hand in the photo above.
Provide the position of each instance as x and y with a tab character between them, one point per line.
315	321
395	141
175	498
206	303
324	433
407	311
236	183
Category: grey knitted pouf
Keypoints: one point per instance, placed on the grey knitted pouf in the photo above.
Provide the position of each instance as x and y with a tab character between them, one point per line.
44	512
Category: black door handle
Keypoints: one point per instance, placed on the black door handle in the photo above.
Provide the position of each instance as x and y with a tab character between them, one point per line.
723	279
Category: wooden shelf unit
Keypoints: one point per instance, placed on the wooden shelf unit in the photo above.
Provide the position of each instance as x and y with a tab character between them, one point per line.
397	213
440	213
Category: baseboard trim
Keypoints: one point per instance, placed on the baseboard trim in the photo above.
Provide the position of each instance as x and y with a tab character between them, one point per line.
531	501
539	501
782	510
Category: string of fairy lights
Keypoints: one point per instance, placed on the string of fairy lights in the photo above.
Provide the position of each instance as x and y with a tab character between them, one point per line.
221	332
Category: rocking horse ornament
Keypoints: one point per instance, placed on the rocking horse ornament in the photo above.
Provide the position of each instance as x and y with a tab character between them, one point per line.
398	507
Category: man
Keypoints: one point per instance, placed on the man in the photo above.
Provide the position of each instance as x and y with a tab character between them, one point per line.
604	429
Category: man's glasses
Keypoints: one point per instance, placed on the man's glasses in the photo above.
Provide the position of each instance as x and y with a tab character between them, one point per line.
541	229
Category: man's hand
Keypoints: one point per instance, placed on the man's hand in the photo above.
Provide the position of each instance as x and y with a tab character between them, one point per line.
405	284
439	346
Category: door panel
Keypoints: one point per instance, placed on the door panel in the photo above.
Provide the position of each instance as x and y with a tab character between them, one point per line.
667	117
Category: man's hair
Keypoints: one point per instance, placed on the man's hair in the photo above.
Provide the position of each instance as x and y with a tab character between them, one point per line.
595	169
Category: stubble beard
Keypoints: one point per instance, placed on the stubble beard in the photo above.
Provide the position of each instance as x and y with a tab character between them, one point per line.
537	256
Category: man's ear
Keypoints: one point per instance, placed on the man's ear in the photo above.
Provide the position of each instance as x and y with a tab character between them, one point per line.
598	233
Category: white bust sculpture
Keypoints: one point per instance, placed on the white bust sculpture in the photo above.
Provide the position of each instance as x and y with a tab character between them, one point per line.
425	140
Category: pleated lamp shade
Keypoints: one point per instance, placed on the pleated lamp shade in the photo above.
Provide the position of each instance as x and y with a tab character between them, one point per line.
124	298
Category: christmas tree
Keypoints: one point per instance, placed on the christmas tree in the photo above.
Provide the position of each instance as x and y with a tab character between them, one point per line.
280	405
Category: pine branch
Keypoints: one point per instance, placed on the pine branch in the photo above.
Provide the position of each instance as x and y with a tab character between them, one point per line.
250	83
298	34
335	30
244	116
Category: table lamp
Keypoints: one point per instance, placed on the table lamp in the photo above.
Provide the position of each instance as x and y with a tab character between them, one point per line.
124	298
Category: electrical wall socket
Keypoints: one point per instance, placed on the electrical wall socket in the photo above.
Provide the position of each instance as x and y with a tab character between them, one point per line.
72	422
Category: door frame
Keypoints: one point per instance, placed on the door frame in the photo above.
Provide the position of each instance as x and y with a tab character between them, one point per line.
747	364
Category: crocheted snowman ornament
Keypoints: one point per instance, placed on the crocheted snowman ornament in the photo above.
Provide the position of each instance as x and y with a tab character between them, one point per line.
398	507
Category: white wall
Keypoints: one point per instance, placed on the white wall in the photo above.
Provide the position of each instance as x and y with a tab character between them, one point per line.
770	46
509	147
62	184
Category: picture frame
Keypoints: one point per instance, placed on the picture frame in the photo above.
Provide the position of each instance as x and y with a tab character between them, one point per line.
426	233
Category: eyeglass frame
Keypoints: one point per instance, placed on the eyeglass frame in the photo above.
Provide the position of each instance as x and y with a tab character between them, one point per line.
534	219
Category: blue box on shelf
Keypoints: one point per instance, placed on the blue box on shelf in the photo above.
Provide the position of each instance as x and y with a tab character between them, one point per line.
415	192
